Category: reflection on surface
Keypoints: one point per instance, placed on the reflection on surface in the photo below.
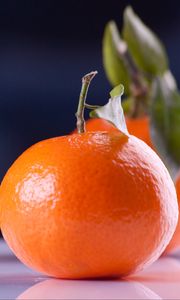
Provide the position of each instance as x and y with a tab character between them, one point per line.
159	281
163	277
69	289
14	276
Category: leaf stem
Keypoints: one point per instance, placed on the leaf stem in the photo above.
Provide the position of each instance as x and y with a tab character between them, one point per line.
138	87
89	106
86	80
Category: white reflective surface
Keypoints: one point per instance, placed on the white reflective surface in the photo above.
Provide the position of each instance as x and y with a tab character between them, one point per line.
160	281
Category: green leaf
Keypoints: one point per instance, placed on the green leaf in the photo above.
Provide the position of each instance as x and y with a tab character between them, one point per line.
113	64
165	122
127	105
118	90
145	47
112	112
170	80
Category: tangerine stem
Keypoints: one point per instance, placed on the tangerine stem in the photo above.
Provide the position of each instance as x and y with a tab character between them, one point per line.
86	80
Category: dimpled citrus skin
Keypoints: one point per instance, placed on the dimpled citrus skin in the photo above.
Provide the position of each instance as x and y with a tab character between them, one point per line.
175	242
138	127
100	125
88	205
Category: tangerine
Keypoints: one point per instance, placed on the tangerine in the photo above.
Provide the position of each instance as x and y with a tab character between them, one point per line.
95	204
138	127
175	241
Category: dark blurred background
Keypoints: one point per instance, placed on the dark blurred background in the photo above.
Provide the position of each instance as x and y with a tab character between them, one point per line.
46	47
